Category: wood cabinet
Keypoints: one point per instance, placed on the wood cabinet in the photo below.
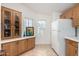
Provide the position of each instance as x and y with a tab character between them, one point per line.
18	47
72	13
22	46
16	24
75	16
75	22
67	14
31	43
6	20
10	23
2	53
71	48
10	48
76	11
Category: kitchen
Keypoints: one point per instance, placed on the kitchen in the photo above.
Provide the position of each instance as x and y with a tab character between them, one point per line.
45	24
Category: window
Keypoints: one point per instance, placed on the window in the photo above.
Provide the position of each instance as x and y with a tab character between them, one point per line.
27	22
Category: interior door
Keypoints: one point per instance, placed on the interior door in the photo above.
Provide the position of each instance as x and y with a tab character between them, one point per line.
41	32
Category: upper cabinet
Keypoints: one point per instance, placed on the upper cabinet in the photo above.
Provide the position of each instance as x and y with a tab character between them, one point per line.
10	23
76	12
6	21
72	13
75	16
17	24
67	14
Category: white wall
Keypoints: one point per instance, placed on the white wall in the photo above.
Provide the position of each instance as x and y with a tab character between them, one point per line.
55	16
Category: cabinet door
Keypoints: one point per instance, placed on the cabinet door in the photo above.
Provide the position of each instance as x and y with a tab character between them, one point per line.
16	24
13	48
71	50
6	47
75	22
26	44
6	18
21	46
76	16
31	43
76	12
10	48
69	14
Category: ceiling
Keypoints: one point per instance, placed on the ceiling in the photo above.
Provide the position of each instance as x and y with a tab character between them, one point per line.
48	8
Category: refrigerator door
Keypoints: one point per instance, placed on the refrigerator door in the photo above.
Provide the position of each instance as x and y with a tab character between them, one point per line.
65	26
54	26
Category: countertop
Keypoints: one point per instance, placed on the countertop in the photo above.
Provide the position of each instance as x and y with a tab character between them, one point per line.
15	39
76	39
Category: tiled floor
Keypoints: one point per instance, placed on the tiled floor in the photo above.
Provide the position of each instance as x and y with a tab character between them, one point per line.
40	50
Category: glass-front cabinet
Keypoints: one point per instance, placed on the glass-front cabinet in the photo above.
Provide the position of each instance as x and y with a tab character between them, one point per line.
17	24
10	23
6	23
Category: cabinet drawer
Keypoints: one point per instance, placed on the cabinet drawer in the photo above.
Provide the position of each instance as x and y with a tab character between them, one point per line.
72	43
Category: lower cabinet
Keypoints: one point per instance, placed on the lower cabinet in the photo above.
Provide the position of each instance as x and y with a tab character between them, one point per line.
10	48
18	47
31	43
71	48
21	46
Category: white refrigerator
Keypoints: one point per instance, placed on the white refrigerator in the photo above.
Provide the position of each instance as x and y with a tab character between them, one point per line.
60	29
